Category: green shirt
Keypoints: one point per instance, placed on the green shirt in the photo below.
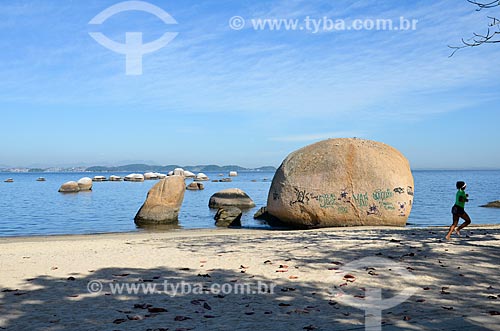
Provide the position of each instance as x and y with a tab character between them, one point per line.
460	200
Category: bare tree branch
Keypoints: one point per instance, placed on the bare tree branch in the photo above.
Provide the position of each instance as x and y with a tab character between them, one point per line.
491	37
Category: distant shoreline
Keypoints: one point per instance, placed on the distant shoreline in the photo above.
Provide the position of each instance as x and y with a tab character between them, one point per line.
239	169
138	168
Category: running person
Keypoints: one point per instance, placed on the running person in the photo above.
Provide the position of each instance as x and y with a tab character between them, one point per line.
458	210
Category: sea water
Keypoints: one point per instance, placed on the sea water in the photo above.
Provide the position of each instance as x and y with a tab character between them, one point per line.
28	207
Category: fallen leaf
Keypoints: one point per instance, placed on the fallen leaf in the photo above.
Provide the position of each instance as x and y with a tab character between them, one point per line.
349	278
141	306
181	318
157	310
135	317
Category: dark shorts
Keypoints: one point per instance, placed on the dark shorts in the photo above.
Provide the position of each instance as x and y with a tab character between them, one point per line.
457	210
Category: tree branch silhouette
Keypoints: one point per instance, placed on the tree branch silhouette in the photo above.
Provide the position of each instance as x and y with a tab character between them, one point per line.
492	35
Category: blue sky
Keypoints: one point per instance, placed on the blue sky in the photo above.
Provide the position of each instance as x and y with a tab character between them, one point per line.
219	96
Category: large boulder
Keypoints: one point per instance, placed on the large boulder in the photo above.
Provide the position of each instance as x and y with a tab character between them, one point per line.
228	217
69	187
342	182
163	202
85	184
231	197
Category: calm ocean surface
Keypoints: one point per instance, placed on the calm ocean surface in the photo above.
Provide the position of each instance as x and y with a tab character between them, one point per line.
28	207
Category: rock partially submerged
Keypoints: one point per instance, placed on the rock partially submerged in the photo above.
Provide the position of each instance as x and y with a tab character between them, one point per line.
189	174
342	182
134	178
231	197
70	187
163	202
201	177
493	204
85	184
195	186
228	217
9	180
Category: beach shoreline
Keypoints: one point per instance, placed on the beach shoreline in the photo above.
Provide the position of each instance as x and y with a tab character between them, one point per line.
44	282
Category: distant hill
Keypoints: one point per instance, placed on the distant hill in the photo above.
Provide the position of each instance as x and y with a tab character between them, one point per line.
167	168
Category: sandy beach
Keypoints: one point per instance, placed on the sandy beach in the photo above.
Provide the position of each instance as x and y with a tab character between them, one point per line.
298	280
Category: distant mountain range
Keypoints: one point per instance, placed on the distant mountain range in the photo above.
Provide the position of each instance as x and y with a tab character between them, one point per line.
141	168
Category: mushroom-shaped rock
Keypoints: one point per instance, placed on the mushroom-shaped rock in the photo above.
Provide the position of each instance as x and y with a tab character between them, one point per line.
9	180
85	184
69	187
41	179
231	197
161	176
195	186
114	178
342	182
163	202
189	174
201	177
99	179
233	174
228	217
